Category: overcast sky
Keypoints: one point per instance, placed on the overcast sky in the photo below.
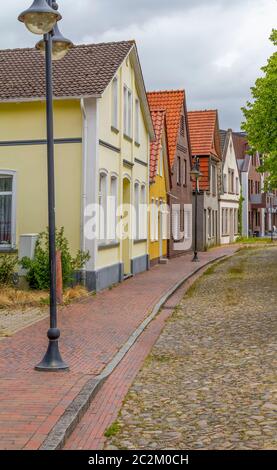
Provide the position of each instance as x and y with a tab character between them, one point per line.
212	48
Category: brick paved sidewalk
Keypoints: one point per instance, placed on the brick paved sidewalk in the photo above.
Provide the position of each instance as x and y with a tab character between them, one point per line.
92	332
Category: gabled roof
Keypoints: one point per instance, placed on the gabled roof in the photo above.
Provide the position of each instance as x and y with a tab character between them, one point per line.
240	144
158	119
171	102
85	71
203	127
225	137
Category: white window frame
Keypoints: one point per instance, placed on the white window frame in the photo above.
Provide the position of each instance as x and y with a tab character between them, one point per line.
143	213
112	208
137	212
209	223
152	220
137	121
165	220
237	185
128	112
11	173
187	223
103	199
176	222
225	183
115	103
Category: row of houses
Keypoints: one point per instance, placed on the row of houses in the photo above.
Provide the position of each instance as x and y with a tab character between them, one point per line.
123	160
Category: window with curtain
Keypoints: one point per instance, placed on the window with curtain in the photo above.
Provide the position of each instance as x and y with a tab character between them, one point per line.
115	103
225	184
125	109
6	209
187	224
152	219
137	215
176	220
137	122
237	185
112	208
128	110
209	223
157	209
103	207
143	213
236	222
165	219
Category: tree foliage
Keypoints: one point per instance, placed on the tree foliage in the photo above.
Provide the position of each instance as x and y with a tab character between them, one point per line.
261	118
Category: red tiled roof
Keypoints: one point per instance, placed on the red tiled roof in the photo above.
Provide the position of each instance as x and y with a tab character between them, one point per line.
158	118
85	71
240	145
202	127
171	102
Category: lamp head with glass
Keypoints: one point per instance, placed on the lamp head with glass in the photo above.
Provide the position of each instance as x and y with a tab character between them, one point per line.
40	18
60	45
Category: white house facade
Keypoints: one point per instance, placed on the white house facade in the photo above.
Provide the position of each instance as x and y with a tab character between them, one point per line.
231	189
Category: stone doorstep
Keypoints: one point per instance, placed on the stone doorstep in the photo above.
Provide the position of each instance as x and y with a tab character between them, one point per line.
75	411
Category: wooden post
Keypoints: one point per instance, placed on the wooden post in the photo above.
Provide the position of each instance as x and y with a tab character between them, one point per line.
59	285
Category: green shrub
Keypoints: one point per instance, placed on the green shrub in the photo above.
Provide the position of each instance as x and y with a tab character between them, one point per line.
7	268
38	272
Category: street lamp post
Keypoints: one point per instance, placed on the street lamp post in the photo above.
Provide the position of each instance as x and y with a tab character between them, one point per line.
195	176
41	18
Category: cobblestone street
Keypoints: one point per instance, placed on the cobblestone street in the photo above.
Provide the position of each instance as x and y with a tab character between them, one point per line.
210	381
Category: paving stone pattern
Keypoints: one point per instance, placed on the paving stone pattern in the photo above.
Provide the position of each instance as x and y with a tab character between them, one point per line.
210	381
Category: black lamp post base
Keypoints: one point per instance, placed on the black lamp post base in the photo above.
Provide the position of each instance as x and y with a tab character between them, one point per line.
52	361
195	259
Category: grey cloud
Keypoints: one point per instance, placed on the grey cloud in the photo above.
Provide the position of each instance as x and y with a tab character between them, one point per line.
212	48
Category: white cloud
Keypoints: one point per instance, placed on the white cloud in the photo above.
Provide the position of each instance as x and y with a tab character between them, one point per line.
214	49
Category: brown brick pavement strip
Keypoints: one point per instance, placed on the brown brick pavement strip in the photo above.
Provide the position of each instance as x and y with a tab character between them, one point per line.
92	332
89	434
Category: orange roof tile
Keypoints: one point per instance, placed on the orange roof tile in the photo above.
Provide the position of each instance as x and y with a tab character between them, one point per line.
158	118
202	127
171	102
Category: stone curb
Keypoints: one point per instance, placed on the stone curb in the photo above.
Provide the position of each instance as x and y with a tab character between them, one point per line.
75	411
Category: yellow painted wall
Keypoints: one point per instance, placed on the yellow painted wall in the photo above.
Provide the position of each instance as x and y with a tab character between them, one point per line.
157	191
112	161
26	121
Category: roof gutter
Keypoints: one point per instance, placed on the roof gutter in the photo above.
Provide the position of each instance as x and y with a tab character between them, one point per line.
42	98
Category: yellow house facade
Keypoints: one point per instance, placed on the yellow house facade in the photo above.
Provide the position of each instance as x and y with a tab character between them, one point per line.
102	130
159	177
